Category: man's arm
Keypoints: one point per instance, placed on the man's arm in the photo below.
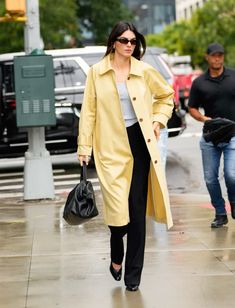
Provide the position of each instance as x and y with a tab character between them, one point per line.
197	115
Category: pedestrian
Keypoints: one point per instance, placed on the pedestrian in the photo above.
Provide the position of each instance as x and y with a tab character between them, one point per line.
214	92
126	102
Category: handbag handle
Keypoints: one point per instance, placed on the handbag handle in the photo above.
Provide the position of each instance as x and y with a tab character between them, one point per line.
83	175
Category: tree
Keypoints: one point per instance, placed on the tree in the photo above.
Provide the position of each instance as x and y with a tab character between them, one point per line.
98	17
58	22
59	25
11	34
171	38
214	22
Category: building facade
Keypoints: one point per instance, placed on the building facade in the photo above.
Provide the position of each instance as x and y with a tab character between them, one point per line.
185	8
151	16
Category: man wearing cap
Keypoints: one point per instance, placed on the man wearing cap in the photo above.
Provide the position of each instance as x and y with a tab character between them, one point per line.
214	92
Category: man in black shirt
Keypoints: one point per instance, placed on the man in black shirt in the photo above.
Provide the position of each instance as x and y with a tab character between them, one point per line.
214	91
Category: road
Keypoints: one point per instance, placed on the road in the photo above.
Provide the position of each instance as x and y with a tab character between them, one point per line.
183	169
184	166
45	262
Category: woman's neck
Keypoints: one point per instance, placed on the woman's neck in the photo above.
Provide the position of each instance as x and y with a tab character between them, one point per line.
121	67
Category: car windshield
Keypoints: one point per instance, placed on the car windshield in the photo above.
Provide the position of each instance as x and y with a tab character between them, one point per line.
68	74
92	58
158	64
182	68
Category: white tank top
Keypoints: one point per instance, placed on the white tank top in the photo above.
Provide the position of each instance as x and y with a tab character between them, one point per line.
126	105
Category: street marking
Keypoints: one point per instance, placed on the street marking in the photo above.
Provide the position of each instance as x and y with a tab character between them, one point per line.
59	183
62	191
12	174
56	177
12	183
9	181
8	187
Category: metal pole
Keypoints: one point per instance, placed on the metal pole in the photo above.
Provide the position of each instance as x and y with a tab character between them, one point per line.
38	174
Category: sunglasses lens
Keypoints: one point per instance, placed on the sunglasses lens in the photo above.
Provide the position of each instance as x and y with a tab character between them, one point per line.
133	42
125	41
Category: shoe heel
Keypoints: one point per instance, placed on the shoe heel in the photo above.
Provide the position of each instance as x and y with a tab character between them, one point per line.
117	275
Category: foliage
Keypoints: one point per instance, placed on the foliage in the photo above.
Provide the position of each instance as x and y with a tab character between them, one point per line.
99	17
171	38
11	34
58	20
214	22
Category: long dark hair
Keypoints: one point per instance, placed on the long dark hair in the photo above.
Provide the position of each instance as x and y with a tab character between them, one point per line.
117	30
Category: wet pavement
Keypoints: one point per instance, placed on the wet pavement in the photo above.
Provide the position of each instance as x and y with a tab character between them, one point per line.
45	263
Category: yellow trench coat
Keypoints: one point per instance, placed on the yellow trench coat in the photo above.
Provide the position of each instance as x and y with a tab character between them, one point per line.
102	128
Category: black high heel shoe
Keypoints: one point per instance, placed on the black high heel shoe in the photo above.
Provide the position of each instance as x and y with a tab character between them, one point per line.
132	287
117	275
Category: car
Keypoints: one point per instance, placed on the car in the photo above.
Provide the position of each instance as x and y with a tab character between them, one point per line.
70	75
184	75
70	70
176	124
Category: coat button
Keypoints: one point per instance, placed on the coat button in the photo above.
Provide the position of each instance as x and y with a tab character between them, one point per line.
148	140
155	162
128	78
141	120
134	98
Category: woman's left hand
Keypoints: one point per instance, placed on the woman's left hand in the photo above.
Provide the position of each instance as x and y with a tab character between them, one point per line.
156	129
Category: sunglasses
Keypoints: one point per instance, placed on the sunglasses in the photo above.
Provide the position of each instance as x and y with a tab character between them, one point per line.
125	41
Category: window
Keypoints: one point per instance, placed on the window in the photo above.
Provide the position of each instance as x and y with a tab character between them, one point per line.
69	82
163	13
92	58
8	77
154	60
68	74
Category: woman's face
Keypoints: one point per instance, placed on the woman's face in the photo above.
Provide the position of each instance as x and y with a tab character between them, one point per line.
125	44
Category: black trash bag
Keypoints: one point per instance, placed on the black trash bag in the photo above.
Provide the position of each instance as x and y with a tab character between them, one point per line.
80	205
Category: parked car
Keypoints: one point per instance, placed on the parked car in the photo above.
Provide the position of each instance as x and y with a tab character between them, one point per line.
184	75
176	123
70	74
70	69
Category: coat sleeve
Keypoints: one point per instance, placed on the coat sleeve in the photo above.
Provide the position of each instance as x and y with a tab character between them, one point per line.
162	96
87	117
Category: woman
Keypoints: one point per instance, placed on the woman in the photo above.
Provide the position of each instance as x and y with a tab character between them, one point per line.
126	102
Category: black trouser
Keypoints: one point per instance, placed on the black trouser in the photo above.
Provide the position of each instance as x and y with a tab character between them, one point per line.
136	229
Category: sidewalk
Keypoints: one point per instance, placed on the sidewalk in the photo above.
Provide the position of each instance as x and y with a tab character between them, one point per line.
44	263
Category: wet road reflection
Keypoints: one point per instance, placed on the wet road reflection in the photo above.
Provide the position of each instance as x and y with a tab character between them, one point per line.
45	262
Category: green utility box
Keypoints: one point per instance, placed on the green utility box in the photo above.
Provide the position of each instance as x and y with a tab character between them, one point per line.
34	90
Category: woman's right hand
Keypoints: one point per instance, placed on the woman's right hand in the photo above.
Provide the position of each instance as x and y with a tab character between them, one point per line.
83	158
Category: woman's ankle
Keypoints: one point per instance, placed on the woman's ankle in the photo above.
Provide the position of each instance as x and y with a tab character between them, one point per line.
116	266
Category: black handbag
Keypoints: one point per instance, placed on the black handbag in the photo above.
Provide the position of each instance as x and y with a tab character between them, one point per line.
80	205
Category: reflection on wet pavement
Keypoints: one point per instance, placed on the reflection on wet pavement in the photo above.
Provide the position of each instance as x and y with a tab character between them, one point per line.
46	263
